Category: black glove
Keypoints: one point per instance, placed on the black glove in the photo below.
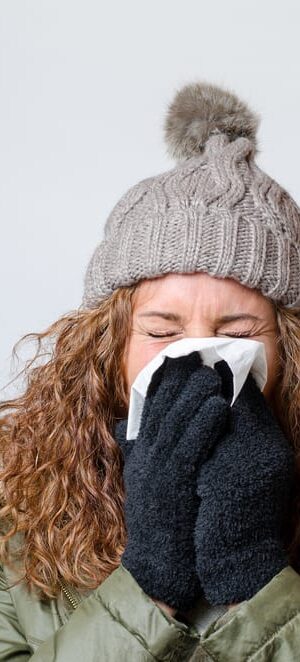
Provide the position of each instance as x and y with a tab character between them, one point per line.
245	488
184	414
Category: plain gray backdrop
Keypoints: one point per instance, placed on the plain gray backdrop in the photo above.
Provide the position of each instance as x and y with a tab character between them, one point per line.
84	88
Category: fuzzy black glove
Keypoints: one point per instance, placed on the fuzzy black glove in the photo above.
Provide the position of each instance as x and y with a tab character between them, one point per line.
245	488
183	416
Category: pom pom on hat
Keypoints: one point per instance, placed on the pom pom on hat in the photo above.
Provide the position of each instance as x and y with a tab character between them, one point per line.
199	110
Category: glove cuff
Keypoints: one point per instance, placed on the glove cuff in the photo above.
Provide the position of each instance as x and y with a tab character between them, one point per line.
176	587
238	575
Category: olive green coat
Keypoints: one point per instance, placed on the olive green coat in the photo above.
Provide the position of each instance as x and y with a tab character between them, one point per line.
117	622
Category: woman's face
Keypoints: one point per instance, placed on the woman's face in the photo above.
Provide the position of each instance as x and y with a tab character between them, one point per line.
178	306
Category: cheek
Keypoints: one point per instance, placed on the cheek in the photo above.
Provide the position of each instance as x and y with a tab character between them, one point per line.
136	356
273	364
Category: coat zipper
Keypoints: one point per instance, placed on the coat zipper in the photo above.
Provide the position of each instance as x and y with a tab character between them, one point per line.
73	601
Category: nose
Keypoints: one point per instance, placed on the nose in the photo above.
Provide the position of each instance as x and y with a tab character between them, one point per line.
199	331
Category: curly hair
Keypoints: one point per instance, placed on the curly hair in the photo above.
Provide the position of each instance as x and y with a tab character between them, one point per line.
61	477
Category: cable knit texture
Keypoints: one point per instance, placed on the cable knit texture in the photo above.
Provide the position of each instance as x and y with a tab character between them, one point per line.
244	489
216	211
183	417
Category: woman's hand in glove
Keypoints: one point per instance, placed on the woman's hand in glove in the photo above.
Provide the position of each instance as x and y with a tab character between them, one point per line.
183	416
245	489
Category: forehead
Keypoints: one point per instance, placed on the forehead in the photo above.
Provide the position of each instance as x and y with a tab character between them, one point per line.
200	292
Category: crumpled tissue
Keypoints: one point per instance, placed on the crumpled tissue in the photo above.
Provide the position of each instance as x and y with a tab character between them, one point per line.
242	356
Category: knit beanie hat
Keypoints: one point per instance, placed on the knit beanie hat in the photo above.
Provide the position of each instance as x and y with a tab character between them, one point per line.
216	211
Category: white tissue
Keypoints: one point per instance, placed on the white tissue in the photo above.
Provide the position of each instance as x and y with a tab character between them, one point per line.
242	355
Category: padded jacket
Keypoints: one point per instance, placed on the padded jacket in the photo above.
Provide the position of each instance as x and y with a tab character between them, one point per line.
118	622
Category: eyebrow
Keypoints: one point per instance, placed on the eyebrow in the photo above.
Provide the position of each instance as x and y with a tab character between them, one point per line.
174	317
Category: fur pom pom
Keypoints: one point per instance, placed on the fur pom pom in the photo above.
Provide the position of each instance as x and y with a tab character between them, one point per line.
200	109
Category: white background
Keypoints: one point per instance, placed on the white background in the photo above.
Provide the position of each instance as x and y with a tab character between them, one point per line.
84	88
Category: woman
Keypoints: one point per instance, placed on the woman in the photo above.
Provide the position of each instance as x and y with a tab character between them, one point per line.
108	545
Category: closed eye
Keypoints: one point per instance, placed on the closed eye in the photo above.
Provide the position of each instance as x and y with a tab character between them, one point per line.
162	335
238	335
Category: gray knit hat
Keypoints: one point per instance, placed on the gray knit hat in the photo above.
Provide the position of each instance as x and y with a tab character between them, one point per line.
215	211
